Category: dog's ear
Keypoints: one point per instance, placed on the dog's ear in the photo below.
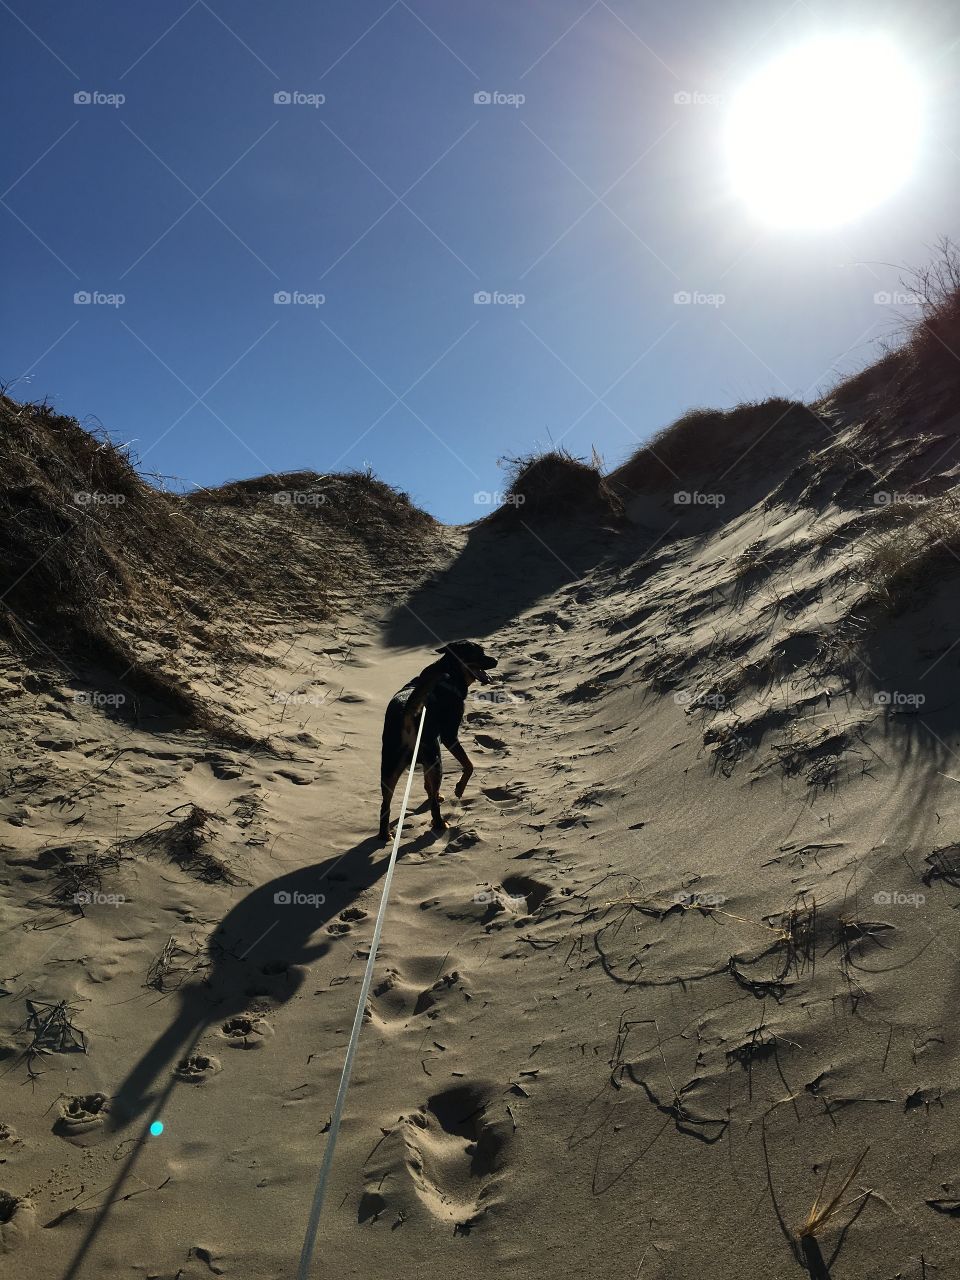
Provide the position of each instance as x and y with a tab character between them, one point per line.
443	649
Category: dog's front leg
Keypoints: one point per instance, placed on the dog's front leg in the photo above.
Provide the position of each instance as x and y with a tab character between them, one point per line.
431	780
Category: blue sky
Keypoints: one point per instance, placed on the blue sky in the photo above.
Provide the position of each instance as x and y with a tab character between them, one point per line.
597	199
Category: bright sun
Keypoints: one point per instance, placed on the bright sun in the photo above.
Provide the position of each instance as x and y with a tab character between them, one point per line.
824	132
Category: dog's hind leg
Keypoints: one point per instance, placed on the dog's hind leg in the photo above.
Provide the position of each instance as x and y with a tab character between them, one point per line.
388	783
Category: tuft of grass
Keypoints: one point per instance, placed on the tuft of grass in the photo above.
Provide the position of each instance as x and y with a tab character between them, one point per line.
76	879
822	1212
554	484
174	964
185	842
53	1031
921	550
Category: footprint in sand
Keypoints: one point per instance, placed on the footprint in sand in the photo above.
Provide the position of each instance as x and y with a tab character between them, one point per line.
197	1068
518	897
489	743
391	1001
552	618
345	920
506	797
449	1151
18	1217
455	1145
529	893
464	839
81	1115
395	1000
246	1031
434	1000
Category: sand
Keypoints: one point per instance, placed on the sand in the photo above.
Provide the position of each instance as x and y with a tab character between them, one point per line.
687	952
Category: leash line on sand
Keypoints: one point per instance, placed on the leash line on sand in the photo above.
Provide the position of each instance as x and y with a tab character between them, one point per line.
310	1239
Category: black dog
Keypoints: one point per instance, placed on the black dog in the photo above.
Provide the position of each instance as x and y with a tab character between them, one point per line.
442	687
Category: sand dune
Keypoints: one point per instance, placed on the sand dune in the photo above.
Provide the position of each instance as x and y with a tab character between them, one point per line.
671	998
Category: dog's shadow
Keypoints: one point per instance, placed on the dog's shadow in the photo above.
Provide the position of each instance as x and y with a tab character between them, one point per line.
256	957
257	954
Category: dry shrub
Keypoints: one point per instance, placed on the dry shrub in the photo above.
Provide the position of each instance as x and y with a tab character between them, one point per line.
713	441
556	485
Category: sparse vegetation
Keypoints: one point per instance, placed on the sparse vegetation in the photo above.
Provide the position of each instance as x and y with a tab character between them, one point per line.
713	442
556	485
922	549
823	1212
103	568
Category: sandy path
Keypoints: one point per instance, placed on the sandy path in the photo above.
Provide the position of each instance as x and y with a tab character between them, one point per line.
564	1066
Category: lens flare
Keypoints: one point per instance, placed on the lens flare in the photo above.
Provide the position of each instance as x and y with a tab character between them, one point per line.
825	132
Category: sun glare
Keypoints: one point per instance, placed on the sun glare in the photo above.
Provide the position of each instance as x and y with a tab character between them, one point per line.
824	132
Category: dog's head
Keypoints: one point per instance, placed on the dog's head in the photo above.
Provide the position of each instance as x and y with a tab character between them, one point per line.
470	657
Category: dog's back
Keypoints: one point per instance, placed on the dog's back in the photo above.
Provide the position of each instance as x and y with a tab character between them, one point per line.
444	703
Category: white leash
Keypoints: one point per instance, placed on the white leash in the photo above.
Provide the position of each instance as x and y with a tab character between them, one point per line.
310	1239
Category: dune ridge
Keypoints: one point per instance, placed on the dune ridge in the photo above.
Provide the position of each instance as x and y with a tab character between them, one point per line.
671	997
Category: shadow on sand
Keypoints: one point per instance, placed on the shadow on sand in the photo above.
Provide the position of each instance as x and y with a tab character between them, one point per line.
499	573
256	955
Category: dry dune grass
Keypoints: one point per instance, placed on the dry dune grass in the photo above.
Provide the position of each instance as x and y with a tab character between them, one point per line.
92	552
712	440
921	551
556	485
351	502
102	567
